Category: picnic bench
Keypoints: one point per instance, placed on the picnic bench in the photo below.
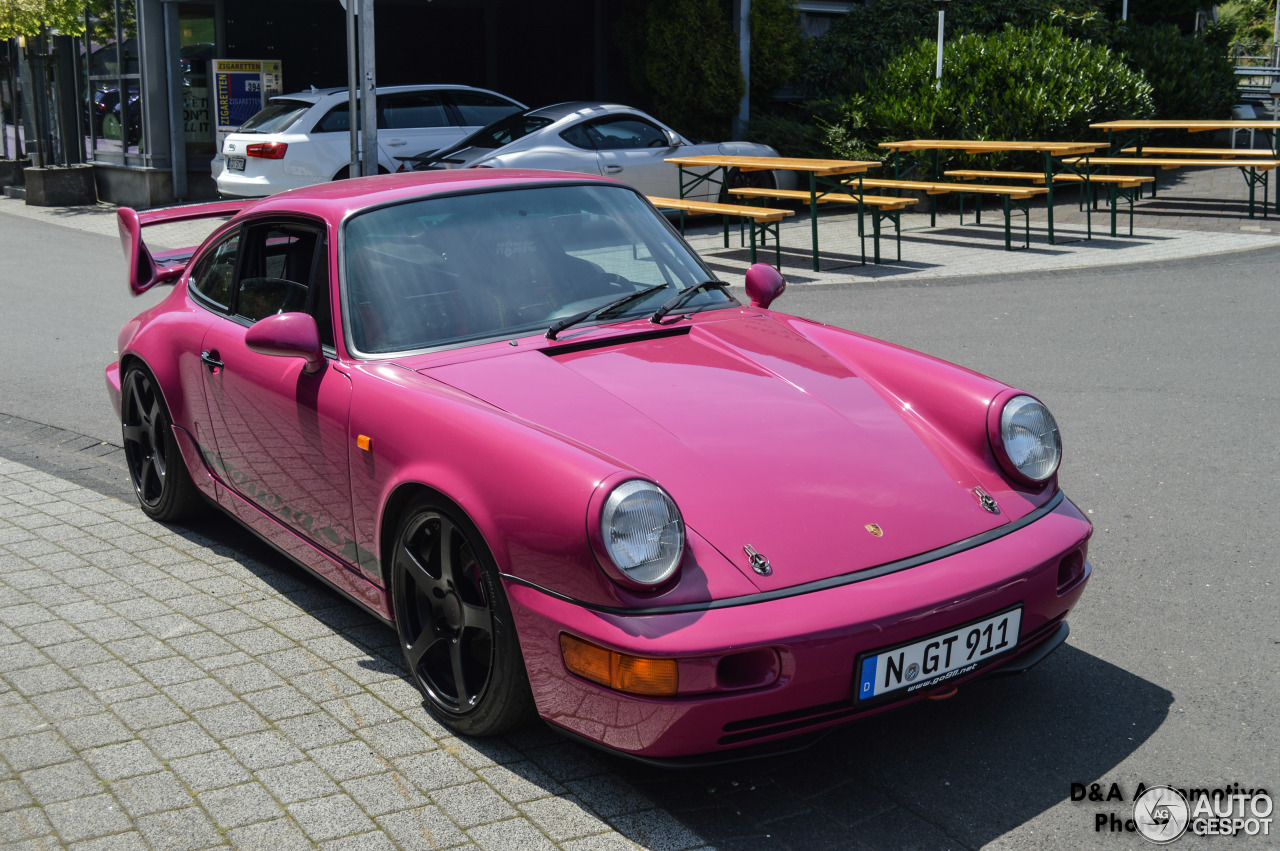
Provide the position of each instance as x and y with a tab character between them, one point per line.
1255	170
823	177
764	220
1018	197
882	207
1119	186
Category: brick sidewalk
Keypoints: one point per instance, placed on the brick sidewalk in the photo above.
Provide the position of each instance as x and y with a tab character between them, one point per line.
161	689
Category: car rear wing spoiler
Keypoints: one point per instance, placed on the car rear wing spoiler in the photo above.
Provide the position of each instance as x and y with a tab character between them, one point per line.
147	269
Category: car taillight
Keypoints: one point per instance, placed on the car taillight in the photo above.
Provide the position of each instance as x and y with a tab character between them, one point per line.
267	150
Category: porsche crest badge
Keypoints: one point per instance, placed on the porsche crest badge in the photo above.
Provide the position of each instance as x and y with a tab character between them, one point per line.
875	530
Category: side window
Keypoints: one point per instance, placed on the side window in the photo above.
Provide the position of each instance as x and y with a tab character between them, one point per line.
336	120
411	111
479	109
215	272
616	134
284	273
579	136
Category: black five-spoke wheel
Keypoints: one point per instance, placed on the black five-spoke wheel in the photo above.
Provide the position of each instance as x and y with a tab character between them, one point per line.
156	468
455	624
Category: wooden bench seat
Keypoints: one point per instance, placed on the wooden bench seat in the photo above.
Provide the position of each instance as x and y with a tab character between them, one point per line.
941	188
1127	180
1179	162
764	220
881	206
1201	152
887	201
1255	170
763	214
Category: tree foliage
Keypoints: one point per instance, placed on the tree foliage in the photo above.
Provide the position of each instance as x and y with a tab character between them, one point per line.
844	60
1015	84
683	55
31	17
1190	76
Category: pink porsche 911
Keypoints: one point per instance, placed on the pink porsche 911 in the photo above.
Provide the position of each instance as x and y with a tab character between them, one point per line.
514	415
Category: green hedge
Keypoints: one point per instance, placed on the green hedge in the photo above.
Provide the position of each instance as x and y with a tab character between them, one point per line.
1036	84
1191	76
845	59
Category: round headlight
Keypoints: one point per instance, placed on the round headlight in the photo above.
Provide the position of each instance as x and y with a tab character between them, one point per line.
642	531
1030	438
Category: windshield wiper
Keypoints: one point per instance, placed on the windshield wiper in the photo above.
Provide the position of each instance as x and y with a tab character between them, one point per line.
561	324
680	297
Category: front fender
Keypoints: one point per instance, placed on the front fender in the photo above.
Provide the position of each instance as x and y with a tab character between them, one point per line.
526	489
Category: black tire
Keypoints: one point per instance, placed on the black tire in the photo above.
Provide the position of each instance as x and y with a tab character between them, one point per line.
751	179
345	172
454	622
156	468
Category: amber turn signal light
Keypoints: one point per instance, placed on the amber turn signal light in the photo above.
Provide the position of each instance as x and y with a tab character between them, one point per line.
630	674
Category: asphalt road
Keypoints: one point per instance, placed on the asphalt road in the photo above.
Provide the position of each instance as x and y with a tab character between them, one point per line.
1164	383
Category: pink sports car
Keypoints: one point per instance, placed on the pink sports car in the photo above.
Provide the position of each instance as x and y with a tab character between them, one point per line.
515	415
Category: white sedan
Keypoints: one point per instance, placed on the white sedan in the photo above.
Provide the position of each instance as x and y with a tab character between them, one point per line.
599	138
303	138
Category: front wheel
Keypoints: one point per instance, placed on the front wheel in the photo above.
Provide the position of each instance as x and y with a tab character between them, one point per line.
156	467
454	623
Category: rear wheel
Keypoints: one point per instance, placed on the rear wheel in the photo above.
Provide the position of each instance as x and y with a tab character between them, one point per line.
156	467
346	172
454	622
752	179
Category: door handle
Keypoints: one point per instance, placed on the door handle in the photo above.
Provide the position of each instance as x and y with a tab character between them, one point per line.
612	168
209	358
397	143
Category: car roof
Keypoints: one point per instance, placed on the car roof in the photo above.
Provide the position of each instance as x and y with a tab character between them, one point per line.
335	200
558	111
316	95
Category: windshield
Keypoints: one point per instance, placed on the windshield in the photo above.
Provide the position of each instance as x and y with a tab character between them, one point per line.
276	117
492	265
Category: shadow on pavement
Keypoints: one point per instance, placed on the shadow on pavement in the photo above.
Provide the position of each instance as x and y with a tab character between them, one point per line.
933	775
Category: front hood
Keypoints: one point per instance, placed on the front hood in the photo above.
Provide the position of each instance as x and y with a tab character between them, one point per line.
762	438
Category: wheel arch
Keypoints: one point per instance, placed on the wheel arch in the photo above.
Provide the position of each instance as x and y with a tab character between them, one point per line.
403	495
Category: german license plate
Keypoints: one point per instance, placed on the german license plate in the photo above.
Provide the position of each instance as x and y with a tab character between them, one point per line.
235	163
931	661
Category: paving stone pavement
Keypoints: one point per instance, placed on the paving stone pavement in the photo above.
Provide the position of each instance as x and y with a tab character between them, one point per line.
161	689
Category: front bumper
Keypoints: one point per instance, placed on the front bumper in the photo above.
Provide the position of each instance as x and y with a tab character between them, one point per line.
817	637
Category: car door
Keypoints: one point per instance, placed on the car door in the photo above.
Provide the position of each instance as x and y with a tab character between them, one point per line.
634	150
411	123
280	433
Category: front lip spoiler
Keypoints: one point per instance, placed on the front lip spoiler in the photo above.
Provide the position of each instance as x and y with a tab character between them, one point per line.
816	585
1019	664
1025	662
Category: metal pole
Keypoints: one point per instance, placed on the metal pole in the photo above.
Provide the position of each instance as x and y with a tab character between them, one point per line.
942	15
1124	11
368	95
744	65
1275	38
353	86
177	116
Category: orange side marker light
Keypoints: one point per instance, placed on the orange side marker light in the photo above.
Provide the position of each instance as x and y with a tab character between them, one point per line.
630	674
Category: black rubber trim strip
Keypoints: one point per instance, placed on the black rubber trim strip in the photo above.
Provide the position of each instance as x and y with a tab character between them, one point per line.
816	585
1020	664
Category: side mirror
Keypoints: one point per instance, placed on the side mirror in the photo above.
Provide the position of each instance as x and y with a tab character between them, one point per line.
764	284
673	140
287	335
